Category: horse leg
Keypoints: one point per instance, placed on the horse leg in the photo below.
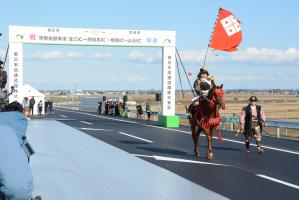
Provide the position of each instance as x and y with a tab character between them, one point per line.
211	133
196	148
209	148
208	137
194	136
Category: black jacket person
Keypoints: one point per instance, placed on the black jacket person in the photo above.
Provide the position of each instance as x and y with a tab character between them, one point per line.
251	119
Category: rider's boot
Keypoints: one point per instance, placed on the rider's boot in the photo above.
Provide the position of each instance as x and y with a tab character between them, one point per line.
259	147
247	146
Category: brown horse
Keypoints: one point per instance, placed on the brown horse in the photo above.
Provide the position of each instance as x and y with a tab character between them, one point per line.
206	118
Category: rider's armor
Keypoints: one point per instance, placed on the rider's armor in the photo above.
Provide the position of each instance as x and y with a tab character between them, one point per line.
202	86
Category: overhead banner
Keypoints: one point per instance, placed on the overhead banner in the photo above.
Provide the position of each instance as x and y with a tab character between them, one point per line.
96	37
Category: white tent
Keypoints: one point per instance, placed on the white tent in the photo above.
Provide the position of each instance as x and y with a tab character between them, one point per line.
29	92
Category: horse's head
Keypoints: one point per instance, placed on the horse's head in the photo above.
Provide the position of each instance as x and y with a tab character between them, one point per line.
219	96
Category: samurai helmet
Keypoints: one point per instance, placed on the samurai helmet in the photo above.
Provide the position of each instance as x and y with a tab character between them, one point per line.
203	70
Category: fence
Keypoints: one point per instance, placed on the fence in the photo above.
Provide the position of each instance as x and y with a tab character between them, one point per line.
91	105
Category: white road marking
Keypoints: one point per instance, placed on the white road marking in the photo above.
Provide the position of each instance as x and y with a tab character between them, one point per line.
278	181
86	122
229	140
135	137
94	129
64	116
181	131
164	158
264	146
63	119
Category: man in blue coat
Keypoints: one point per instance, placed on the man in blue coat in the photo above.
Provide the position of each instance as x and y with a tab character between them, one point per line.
16	181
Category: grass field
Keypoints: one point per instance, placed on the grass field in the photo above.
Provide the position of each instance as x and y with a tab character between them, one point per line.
275	106
282	107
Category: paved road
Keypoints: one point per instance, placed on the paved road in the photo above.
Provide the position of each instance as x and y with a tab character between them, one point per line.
233	173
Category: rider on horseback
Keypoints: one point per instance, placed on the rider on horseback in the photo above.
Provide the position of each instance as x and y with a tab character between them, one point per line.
202	86
203	112
203	83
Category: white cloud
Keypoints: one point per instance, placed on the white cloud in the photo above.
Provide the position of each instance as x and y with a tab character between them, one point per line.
251	55
242	78
142	57
194	57
136	78
263	56
45	55
267	56
101	55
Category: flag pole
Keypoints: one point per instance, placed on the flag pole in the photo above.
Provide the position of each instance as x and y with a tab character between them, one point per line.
6	55
206	54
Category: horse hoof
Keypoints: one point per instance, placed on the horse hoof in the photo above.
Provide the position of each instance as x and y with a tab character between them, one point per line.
196	152
210	156
260	150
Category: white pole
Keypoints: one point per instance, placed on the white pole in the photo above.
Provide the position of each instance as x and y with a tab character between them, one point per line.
15	71
168	81
278	132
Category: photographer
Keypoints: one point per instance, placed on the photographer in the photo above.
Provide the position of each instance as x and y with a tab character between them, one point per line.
3	76
16	181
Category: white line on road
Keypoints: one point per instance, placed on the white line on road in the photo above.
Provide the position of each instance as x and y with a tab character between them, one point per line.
135	137
64	119
164	158
278	181
94	129
86	122
229	140
181	131
64	116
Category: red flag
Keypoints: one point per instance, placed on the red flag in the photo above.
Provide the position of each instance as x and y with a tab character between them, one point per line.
189	73
227	34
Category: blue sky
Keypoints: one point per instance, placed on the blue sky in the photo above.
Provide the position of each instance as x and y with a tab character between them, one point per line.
268	56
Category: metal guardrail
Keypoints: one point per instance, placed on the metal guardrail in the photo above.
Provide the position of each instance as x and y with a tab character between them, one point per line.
284	124
232	120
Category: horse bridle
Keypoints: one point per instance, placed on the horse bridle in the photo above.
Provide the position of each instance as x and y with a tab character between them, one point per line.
218	99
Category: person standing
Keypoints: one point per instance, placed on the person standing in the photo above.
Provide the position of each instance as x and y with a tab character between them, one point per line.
25	105
252	119
100	107
31	105
40	107
139	111
148	109
3	76
51	106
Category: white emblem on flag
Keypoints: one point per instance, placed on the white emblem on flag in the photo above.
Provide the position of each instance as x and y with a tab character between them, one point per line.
226	22
230	30
237	26
234	20
230	25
